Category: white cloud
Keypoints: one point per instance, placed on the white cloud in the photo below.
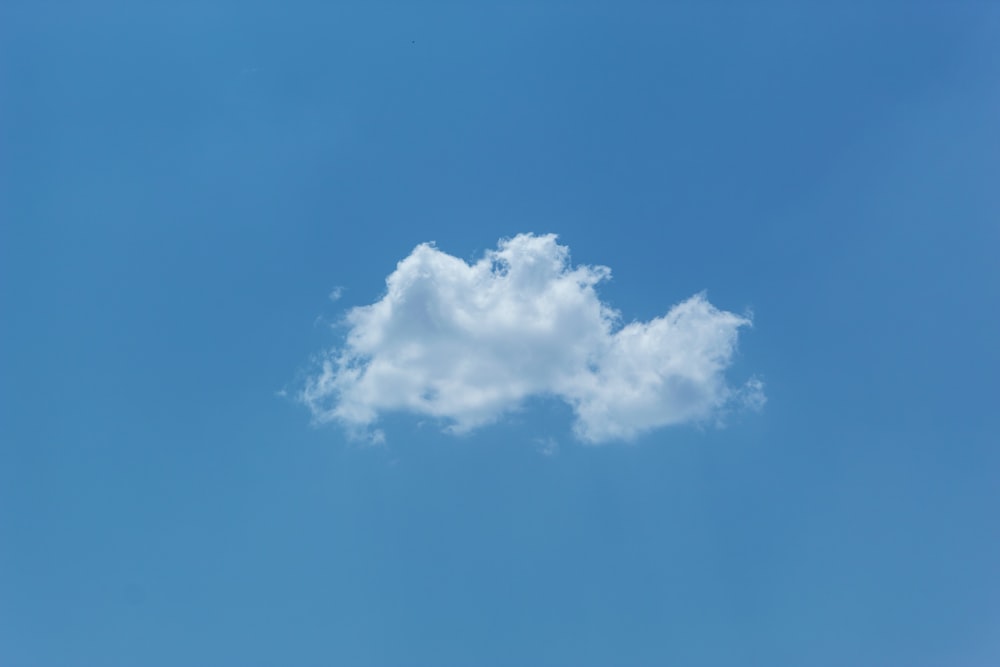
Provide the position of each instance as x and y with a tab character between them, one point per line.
547	446
468	343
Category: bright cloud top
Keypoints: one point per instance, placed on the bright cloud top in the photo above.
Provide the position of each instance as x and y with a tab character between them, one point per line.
467	343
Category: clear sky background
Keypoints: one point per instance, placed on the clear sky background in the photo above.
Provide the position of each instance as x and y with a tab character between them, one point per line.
183	184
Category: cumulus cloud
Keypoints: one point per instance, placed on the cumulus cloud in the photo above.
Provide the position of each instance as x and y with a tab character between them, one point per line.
468	343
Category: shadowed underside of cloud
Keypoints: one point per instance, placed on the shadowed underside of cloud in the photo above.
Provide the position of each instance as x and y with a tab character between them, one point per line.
468	343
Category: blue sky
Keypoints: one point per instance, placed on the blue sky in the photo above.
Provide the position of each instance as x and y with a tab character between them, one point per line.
182	187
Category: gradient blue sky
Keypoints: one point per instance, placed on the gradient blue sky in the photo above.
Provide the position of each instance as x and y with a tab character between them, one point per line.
182	185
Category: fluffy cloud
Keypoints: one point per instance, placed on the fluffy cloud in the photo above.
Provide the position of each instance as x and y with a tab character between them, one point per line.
467	343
